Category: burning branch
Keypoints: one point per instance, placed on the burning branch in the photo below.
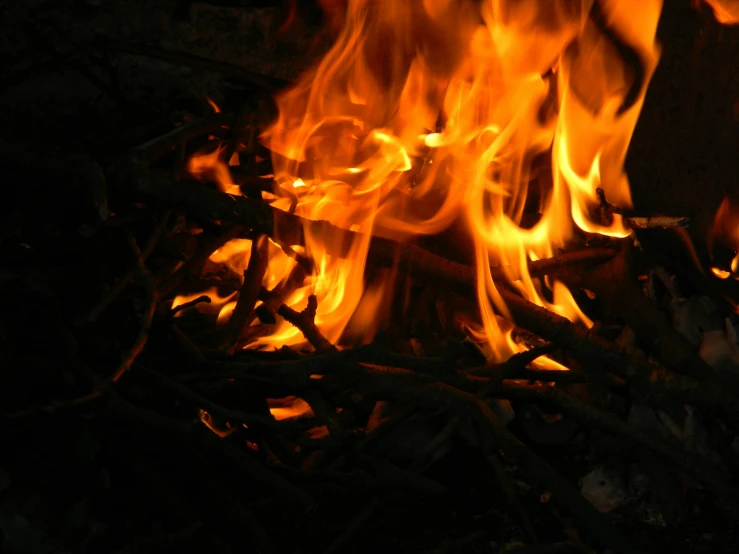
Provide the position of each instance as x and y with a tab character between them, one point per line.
305	321
249	293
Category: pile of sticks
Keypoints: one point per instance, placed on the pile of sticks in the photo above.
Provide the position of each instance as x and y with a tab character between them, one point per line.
158	392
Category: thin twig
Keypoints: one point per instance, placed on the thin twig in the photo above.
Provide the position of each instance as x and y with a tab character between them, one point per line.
151	303
657	222
305	322
195	263
249	293
124	281
155	148
699	469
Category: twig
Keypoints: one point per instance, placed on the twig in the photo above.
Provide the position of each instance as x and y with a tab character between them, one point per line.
510	492
57	408
193	264
354	526
249	293
657	222
696	467
197	440
612	281
205	439
305	322
185	393
151	303
502	371
124	281
324	413
155	148
287	228
513	449
187	345
187	305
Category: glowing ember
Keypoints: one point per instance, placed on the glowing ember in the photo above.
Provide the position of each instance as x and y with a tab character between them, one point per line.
428	114
289	408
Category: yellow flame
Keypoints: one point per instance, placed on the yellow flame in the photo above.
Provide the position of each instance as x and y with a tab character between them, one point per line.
428	114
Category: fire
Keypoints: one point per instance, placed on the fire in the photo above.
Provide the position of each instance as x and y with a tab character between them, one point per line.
429	113
291	407
210	166
725	11
726	230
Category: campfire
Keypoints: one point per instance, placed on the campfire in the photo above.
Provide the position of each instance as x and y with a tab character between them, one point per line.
401	302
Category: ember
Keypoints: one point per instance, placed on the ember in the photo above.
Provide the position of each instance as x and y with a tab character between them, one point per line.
306	305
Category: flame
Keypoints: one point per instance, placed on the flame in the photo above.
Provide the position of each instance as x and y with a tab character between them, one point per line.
213	105
725	11
210	166
214	308
430	113
207	420
288	408
726	230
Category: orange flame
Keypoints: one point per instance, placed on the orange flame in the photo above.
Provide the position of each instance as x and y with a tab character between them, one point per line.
288	408
210	166
428	113
213	105
726	230
725	11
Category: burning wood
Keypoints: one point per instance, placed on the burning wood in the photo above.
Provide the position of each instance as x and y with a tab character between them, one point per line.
312	353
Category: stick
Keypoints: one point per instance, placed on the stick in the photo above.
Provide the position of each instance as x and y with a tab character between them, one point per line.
612	281
151	303
249	293
124	281
657	222
156	148
183	392
696	467
165	287
287	228
205	439
513	449
305	322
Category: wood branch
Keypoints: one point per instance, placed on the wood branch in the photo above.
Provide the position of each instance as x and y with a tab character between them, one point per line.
287	228
657	222
155	148
249	293
305	322
613	281
512	448
717	481
194	264
124	281
150	307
